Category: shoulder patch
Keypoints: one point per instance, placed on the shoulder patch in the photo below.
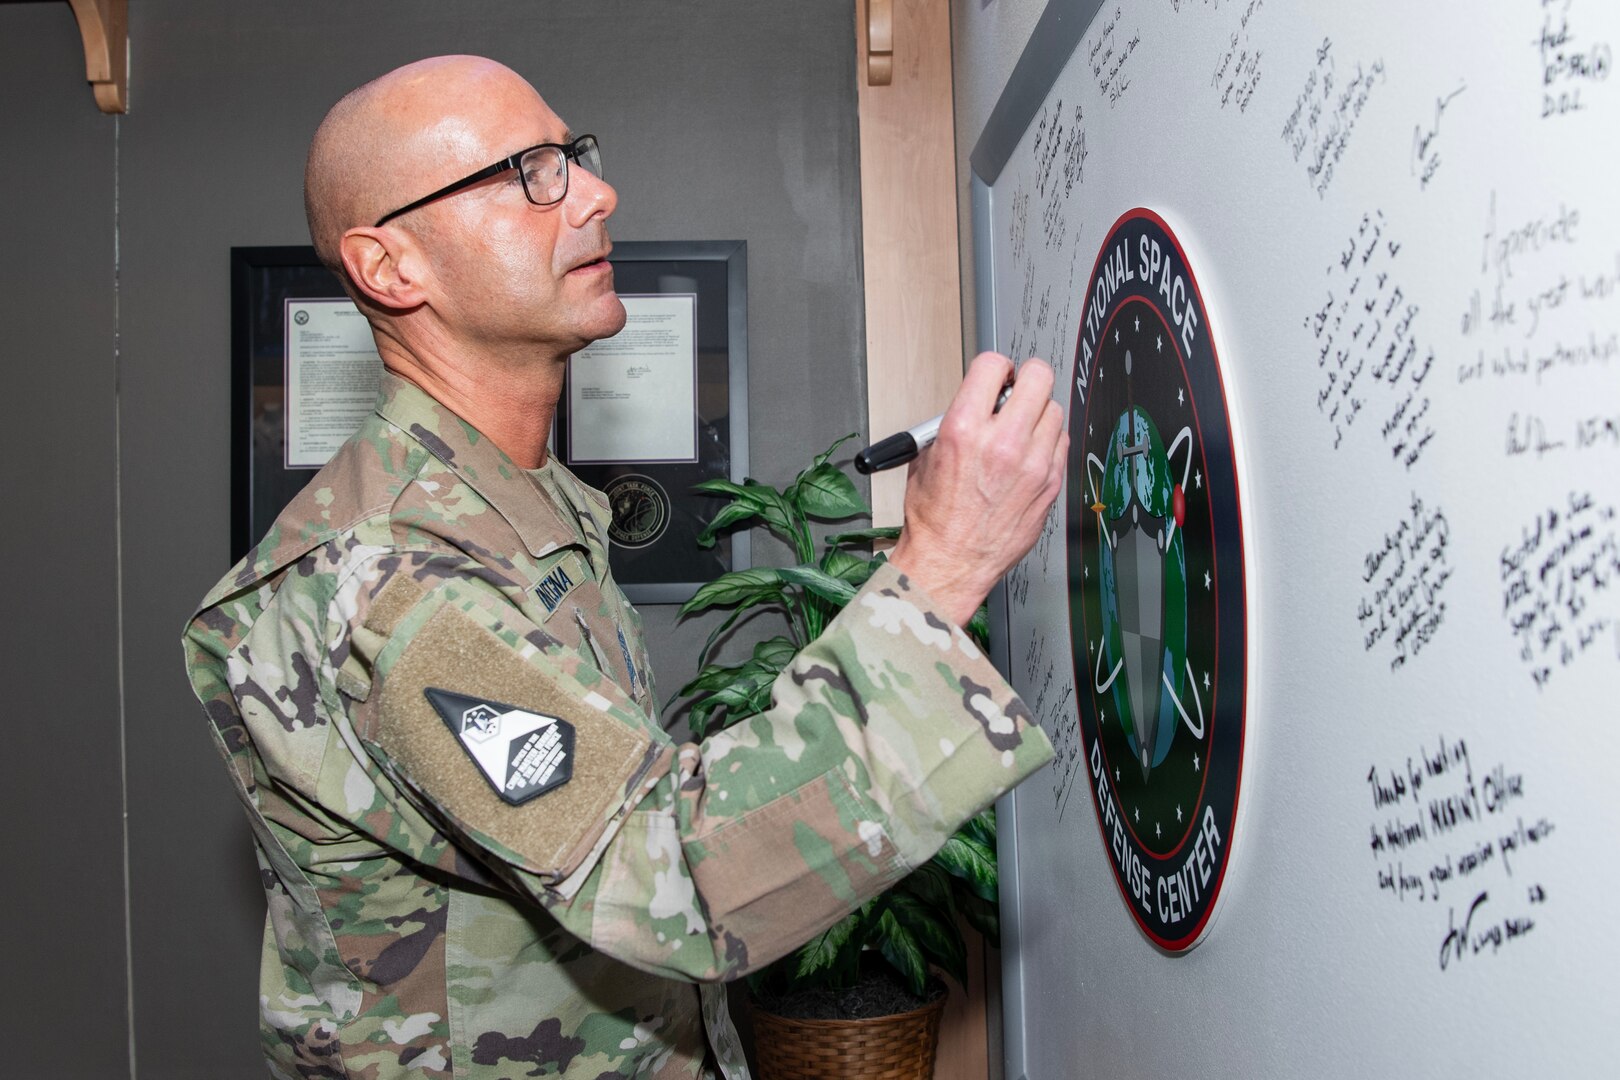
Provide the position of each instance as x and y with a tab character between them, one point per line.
521	753
460	647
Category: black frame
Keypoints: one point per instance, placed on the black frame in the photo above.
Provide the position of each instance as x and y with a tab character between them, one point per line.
668	570
262	278
672	567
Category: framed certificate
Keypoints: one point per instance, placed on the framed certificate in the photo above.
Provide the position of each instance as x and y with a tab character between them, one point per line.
662	406
332	374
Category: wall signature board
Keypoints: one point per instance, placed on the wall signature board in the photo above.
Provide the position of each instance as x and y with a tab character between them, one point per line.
1396	236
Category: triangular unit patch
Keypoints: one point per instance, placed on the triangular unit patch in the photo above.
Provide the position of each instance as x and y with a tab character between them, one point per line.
521	753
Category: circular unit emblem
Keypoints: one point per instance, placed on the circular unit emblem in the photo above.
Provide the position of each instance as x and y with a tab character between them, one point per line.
640	510
1156	581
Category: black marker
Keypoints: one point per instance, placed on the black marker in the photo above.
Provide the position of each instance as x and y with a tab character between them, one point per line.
901	447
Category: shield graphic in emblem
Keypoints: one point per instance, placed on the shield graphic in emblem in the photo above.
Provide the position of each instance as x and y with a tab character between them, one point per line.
1139	602
1144	588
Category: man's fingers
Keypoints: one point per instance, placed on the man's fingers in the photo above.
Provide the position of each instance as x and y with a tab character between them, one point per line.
1030	394
1050	425
1045	441
985	377
1060	463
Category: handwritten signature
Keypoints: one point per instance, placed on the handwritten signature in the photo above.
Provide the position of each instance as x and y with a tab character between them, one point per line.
1425	154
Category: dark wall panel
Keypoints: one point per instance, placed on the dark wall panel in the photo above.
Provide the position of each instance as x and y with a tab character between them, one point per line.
61	797
719	120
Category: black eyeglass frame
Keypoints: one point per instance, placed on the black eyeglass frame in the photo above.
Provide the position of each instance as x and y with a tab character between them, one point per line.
570	152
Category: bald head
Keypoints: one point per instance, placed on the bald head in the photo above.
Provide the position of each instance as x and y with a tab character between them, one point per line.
482	282
403	135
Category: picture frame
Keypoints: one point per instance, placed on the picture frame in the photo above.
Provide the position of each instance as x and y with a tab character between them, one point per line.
263	279
657	516
654	555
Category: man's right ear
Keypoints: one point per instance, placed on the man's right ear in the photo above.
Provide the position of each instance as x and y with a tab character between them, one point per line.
385	264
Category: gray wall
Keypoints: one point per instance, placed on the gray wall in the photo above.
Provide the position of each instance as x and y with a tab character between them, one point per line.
61	787
987	38
719	120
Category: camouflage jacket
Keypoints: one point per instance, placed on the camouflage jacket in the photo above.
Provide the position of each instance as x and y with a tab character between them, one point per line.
483	858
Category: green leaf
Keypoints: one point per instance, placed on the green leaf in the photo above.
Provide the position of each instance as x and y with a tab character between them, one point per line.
770	505
712	677
845	566
776	652
767	662
754	585
718	487
882	532
737	699
698	719
982	827
822	952
901	950
825	492
714	635
751	498
972	862
729	515
818	582
940	943
931	885
826	455
983	916
978	628
759	699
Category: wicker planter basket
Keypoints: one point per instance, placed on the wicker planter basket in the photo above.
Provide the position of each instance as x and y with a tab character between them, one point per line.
899	1047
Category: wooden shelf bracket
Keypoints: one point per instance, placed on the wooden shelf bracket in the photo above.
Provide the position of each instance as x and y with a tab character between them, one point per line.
104	25
879	42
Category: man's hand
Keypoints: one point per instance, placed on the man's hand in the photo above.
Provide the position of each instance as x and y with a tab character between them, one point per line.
976	499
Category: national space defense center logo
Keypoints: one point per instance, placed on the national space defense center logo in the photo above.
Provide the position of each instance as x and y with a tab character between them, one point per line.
1156	581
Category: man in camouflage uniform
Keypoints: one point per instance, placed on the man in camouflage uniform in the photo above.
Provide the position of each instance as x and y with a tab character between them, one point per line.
483	857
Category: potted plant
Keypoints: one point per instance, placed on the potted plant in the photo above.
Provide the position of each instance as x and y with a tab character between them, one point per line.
857	999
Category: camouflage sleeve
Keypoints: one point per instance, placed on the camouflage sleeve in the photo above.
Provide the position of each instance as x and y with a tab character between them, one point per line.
700	862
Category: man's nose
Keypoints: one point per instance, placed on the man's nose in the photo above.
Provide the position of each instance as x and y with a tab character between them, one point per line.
589	196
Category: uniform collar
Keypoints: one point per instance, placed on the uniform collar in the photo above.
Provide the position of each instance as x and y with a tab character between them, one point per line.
480	464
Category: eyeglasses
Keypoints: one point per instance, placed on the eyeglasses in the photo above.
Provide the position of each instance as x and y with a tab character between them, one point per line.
544	170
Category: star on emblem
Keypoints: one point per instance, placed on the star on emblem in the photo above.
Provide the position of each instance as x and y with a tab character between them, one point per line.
1206	579
1138	813
1178	811
1158	343
1116	773
1088	431
1116	335
1195	763
1198	478
1156	828
1139	324
1181	396
1086	571
1206	680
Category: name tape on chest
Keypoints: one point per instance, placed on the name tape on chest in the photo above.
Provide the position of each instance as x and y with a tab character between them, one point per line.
521	753
563	578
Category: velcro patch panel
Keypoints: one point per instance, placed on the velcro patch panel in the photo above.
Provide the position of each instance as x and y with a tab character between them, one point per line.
572	754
